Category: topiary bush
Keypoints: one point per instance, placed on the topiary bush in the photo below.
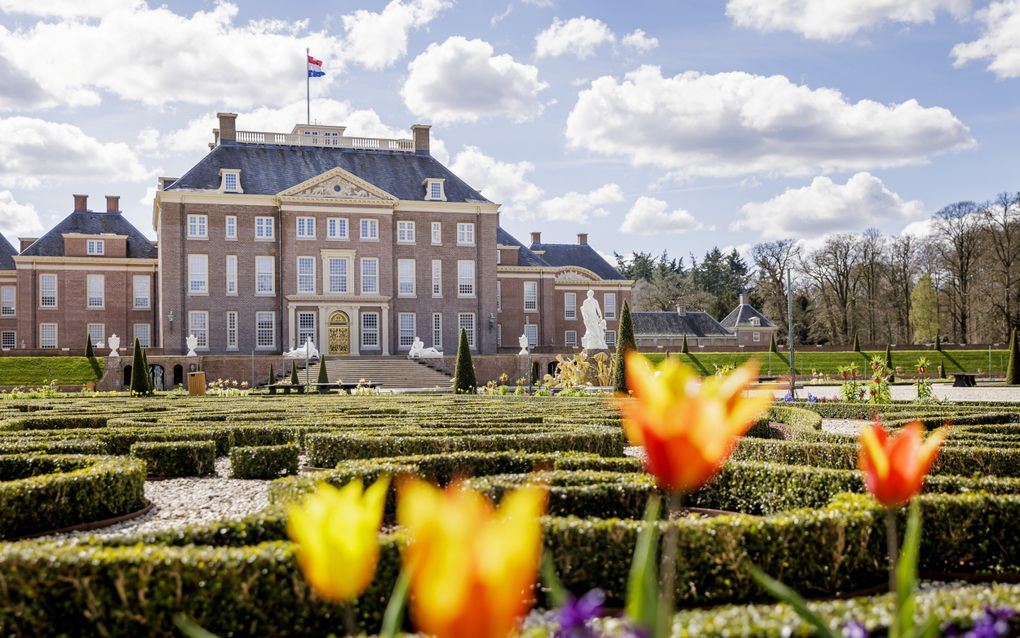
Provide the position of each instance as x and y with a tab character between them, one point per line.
464	370
176	458
264	462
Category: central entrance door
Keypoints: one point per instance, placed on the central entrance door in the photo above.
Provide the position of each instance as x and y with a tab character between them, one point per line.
339	333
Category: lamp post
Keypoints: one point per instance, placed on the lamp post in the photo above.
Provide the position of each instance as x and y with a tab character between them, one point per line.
789	327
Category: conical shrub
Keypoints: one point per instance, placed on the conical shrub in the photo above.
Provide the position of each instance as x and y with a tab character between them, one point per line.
857	343
889	363
323	373
938	343
624	344
90	354
1013	367
139	374
684	349
272	375
773	347
464	371
293	374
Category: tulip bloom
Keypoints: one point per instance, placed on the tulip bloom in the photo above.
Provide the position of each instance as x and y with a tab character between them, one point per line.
336	531
894	467
688	429
472	566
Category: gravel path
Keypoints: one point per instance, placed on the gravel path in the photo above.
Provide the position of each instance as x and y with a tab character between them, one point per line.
850	427
944	391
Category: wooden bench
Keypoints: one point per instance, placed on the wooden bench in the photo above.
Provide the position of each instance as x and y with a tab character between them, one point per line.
964	380
286	387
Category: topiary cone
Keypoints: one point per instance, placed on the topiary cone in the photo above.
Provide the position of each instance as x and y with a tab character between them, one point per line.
293	374
139	381
90	354
938	343
464	371
889	363
1013	367
857	343
684	349
272	375
323	373
148	375
624	344
773	348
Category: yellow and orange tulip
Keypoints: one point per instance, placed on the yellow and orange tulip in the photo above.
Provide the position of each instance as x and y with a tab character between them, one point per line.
472	566
336	531
895	466
688	426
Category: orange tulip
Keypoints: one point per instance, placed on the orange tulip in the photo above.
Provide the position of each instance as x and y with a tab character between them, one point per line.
472	566
894	467
688	429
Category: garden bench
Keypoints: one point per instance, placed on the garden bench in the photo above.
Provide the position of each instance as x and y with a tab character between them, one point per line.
348	388
964	380
286	387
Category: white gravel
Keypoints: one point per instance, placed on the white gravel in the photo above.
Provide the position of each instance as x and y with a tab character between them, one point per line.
985	391
850	427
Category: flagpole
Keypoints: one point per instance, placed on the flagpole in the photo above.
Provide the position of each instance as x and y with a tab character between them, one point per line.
308	91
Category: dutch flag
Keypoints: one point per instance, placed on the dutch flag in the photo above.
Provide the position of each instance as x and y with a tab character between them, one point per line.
315	68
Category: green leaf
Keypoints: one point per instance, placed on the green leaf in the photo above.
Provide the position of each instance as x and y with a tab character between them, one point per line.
643	583
557	593
393	617
906	576
190	628
782	593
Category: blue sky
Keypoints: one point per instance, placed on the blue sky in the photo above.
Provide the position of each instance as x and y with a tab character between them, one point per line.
652	125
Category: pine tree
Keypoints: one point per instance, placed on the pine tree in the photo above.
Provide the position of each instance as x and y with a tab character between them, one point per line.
624	344
1013	367
293	374
139	375
464	371
90	354
889	363
684	349
323	373
857	343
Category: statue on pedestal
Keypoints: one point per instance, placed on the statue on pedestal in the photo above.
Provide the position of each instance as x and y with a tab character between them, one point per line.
192	343
419	351
594	324
114	343
523	343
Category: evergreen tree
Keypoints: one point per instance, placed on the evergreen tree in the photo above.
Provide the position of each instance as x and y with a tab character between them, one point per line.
1013	367
139	375
773	348
323	373
938	343
624	344
464	371
90	354
942	369
272	375
889	363
148	375
293	374
684	349
857	343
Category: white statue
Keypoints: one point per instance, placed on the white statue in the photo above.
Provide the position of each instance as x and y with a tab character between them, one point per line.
114	342
419	351
307	351
523	343
594	324
192	343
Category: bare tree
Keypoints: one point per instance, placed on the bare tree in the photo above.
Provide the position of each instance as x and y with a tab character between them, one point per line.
871	244
834	269
1003	220
958	238
900	276
771	261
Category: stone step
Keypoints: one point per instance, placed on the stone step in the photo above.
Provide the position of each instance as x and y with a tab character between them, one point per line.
390	372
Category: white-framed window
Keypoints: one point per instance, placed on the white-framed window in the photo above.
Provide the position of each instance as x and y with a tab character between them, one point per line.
466	322
499	257
198	274
369	230
336	228
369	275
306	276
232	330
611	338
609	305
231	181
570	338
437	330
95	247
370	330
570	306
437	233
230	227
437	278
48	336
96	291
306	228
47	291
530	295
97	334
8	301
466	234
434	190
198	325
405	278
407	326
265	275
756	336
405	233
339	269
231	275
265	330
265	229
198	226
755	321
465	278
143	332
499	296
306	327
141	288
531	332
8	340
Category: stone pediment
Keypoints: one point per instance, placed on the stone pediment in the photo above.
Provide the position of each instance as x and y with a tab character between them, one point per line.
575	274
338	185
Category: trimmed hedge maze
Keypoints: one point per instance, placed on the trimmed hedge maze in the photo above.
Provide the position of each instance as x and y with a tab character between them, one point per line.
790	502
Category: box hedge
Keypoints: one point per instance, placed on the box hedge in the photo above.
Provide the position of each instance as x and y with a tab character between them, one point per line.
264	462
166	459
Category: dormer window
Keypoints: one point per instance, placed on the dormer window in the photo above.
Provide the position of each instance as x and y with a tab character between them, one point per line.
96	247
755	321
230	180
435	190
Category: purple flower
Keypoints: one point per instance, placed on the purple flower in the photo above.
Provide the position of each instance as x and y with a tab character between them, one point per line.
573	617
854	629
812	398
788	398
994	623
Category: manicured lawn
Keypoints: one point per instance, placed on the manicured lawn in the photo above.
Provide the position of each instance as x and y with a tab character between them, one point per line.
20	371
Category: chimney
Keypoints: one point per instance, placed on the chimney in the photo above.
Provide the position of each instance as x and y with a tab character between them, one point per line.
26	242
582	239
81	202
420	133
228	127
536	237
113	203
743	299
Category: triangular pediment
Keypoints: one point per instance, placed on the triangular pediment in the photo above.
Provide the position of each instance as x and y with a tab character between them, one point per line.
338	185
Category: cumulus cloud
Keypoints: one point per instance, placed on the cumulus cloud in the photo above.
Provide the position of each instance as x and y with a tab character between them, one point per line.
17	219
651	216
735	124
825	207
829	20
1000	42
640	41
378	40
578	207
504	183
37	149
462	80
577	36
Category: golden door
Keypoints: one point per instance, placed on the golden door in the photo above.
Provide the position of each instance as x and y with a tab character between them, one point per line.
339	333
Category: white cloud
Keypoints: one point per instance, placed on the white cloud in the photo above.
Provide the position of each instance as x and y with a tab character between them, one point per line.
825	207
1000	42
36	150
461	80
834	20
504	183
578	36
578	207
66	8
734	124
378	40
919	229
639	40
17	219
651	216
539	3
499	17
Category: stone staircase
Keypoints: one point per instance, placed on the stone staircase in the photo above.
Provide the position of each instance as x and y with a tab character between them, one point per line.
393	373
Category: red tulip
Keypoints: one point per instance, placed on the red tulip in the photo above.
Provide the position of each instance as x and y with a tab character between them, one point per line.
895	466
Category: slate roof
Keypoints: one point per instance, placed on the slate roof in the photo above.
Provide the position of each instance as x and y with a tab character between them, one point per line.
89	223
524	255
581	255
7	253
692	324
741	317
268	169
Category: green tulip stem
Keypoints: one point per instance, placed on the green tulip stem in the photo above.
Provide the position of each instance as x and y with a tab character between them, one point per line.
669	553
892	545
